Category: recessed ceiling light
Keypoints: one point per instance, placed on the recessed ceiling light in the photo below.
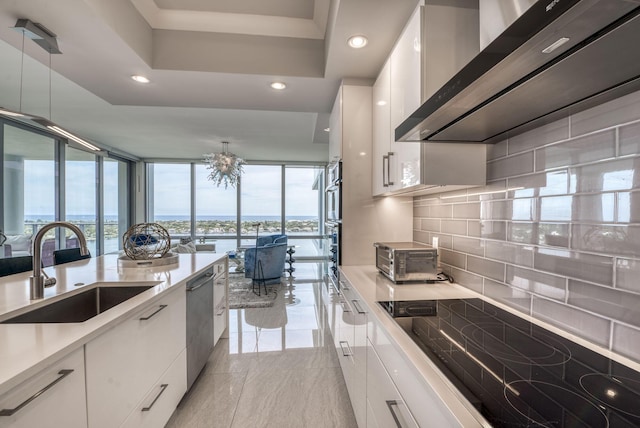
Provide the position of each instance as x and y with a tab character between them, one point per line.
140	79
278	86
327	129
357	42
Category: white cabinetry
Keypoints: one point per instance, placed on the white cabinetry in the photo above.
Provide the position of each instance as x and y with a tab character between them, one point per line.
53	398
423	403
352	349
365	220
127	366
414	167
335	129
220	302
385	405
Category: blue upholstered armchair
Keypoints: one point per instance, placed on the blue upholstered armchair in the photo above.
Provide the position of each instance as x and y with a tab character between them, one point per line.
269	253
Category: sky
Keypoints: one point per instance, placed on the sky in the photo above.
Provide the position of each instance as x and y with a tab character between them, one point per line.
260	190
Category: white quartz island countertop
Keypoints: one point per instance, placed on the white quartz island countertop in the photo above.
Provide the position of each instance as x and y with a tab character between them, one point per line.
27	348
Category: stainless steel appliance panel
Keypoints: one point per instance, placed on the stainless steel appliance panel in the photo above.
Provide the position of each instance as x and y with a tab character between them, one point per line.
199	323
407	261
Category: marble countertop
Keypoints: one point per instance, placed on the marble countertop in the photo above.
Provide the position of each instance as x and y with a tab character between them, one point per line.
28	348
374	287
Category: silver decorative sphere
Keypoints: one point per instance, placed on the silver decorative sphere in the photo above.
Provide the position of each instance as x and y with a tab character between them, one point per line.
146	241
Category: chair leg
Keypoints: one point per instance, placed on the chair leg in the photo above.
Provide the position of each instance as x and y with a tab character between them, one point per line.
259	274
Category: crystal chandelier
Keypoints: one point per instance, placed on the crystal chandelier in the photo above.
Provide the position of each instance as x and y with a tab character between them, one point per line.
224	167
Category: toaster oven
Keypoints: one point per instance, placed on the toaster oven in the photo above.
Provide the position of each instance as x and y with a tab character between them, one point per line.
407	261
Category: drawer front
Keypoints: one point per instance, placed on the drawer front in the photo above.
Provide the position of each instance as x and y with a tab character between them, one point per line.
123	363
61	404
425	405
220	303
386	406
160	402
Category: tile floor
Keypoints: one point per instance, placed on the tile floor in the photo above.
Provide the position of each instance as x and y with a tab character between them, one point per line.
278	368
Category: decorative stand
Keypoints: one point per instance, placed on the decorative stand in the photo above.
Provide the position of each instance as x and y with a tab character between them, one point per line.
290	260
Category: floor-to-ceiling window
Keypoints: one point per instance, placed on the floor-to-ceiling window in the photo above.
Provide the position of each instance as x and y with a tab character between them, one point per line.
80	194
260	201
45	179
271	198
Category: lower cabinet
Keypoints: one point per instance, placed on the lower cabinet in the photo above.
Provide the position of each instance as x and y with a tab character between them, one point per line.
156	407
220	302
53	398
125	366
385	405
350	338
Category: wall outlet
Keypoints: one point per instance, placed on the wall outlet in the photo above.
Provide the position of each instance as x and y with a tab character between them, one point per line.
434	242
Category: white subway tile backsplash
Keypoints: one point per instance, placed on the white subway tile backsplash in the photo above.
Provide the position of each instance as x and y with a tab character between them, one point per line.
619	111
468	210
621	240
488	229
512	165
585	149
628	274
630	139
619	174
587	267
626	341
543	284
606	301
498	150
485	267
550	133
576	321
563	239
468	245
509	295
455	227
521	255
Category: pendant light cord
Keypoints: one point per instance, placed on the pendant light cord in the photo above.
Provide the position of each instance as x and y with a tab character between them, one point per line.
21	73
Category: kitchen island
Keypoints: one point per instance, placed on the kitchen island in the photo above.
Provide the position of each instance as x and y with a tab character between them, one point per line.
28	350
425	395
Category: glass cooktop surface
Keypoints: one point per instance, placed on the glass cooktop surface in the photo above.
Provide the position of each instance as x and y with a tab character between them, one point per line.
518	374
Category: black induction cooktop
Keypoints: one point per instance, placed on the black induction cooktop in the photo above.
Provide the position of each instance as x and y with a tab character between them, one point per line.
519	374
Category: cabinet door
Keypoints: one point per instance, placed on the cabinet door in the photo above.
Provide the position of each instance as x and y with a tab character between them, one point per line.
335	129
406	74
161	400
382	135
386	406
358	387
220	305
126	361
53	398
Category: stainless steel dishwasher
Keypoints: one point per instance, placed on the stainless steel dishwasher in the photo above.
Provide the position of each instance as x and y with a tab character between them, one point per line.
199	323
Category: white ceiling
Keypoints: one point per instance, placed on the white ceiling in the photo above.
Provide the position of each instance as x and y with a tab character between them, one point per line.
210	63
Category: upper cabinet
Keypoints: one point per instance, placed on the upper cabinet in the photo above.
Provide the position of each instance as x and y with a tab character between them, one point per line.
335	129
400	168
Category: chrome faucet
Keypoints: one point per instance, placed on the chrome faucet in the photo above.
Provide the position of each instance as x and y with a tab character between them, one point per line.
40	280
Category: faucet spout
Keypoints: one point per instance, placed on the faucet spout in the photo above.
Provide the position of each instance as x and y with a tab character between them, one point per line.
38	282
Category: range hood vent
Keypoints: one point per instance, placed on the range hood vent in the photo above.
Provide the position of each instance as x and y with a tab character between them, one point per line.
530	75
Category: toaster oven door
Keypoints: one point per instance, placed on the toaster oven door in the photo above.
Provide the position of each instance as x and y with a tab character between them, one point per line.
384	261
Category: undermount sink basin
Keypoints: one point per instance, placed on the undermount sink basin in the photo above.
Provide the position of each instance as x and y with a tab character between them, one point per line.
79	307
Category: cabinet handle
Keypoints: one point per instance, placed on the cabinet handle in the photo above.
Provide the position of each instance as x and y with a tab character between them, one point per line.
197	286
389	182
345	309
356	303
348	353
10	412
220	311
390	405
343	285
384	170
149	316
162	388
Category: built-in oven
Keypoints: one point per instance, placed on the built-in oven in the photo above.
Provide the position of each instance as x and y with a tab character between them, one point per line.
333	231
333	191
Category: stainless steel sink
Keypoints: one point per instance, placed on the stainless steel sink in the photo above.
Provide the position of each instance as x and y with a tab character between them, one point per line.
79	307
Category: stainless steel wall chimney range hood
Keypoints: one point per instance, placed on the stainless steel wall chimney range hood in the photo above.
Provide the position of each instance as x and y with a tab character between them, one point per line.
531	74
